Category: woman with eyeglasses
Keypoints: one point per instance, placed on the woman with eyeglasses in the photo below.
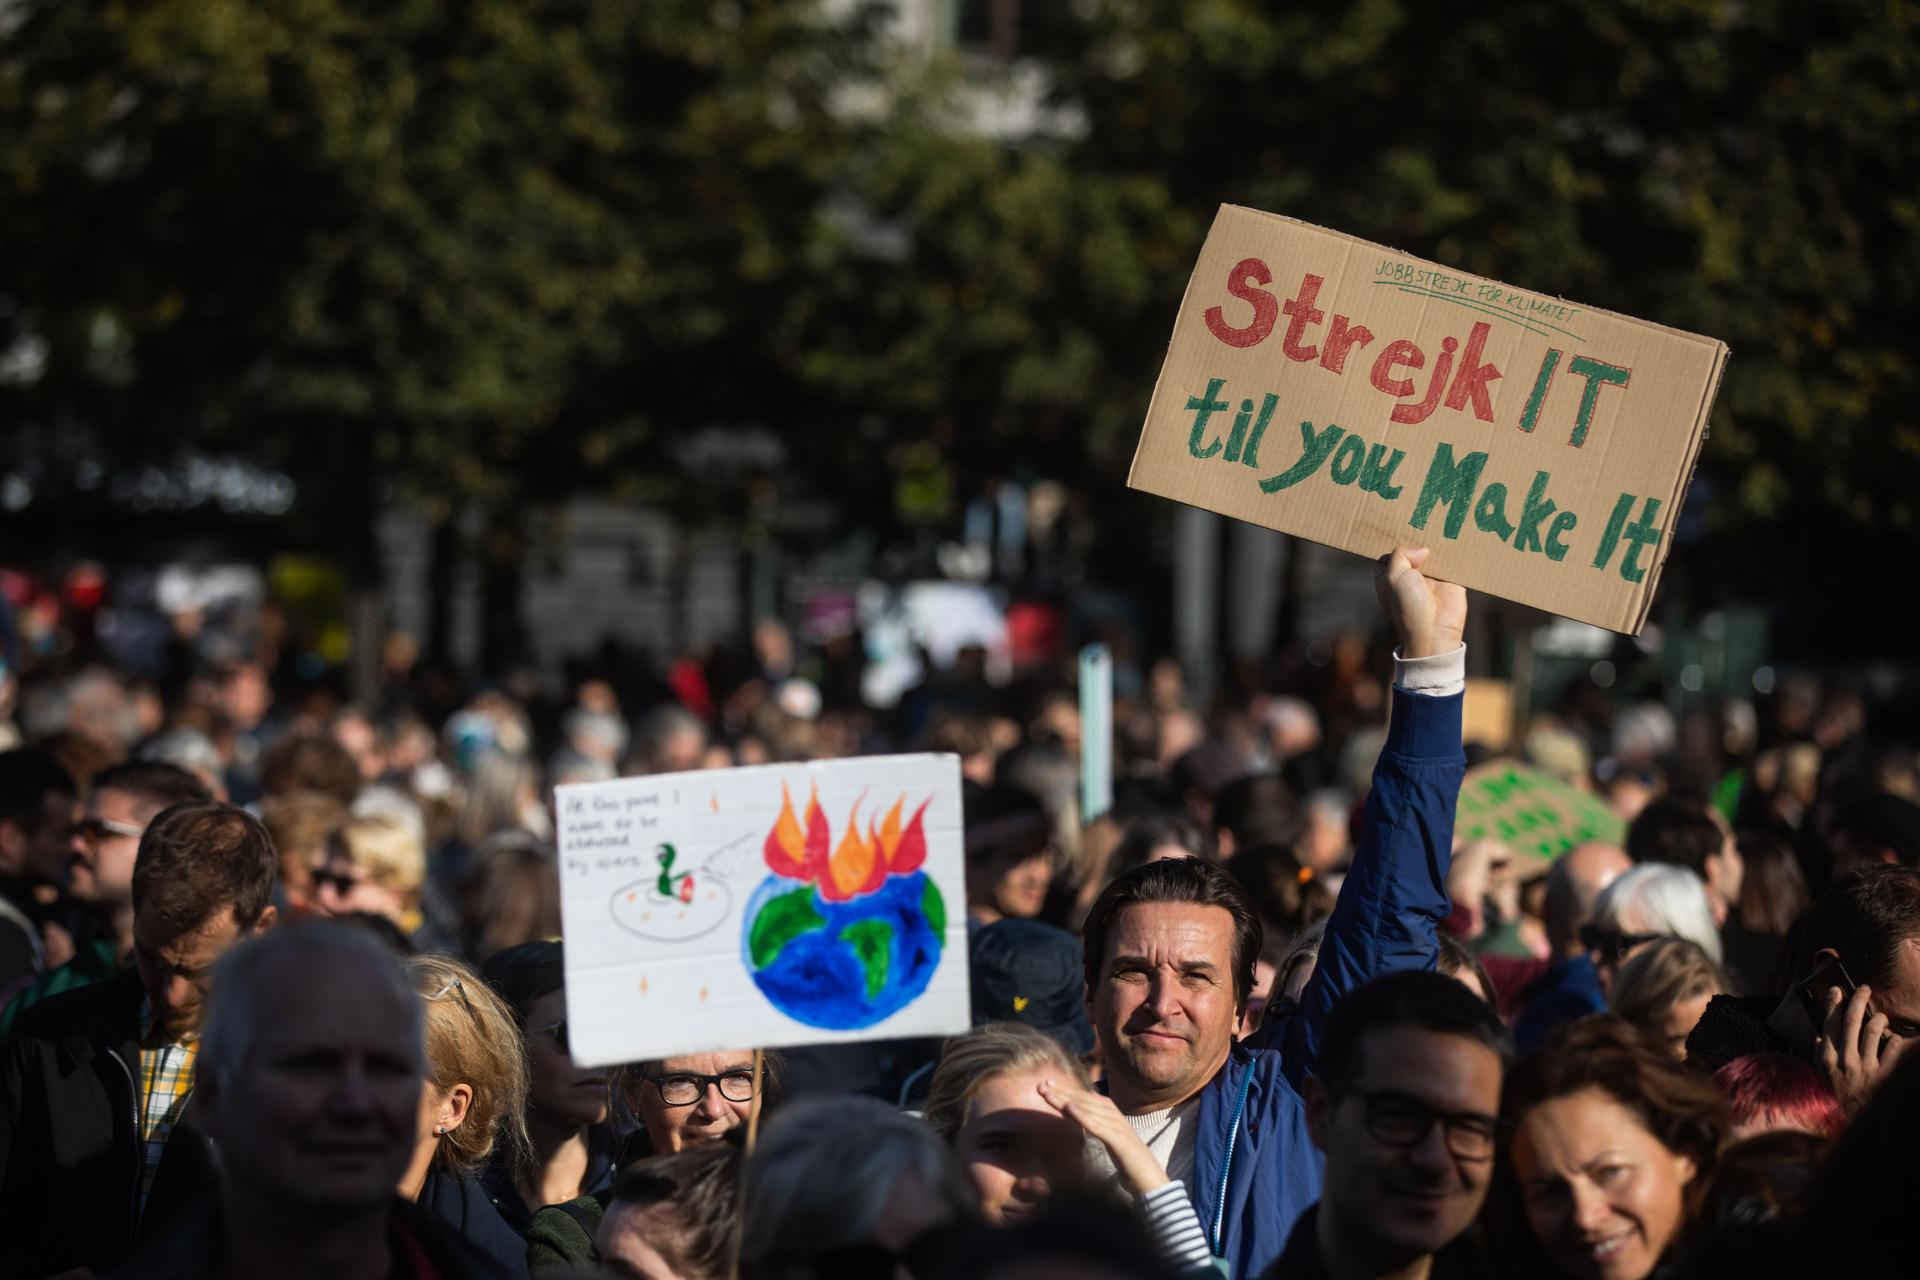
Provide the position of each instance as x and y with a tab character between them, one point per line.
567	1106
682	1104
1608	1148
470	1108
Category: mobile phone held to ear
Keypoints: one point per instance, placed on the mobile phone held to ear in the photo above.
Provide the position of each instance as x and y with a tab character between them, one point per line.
1813	991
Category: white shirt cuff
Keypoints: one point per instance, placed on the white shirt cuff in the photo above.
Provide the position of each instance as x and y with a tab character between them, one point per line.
1437	676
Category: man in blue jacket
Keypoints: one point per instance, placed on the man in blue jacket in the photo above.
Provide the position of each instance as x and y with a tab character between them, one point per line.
1170	950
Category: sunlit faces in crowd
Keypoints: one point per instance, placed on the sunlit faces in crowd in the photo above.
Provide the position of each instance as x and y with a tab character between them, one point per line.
1611	1141
692	1099
985	1102
104	844
1015	1149
1604	1197
1164	1004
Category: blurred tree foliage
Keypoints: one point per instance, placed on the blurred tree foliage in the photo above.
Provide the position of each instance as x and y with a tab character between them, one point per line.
1748	169
503	251
493	251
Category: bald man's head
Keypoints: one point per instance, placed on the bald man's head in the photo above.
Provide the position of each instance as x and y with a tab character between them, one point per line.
1572	886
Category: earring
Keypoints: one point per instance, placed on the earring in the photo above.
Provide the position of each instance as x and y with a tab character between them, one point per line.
440	1131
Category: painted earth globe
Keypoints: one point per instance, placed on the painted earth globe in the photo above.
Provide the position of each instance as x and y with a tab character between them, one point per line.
844	965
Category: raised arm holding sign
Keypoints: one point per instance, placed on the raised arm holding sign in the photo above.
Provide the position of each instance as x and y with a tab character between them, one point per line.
1169	952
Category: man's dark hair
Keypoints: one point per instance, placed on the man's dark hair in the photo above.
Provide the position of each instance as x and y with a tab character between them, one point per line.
1867	920
1675	831
1259	809
202	859
522	974
310	762
27	777
1177	880
1413	999
153	782
702	1184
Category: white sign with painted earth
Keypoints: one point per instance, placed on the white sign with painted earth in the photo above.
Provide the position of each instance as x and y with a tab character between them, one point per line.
755	908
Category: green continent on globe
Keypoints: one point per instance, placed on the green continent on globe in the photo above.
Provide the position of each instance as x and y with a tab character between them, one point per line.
872	941
934	907
783	919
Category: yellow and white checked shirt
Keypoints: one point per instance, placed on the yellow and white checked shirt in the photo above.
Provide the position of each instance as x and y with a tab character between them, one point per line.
166	1079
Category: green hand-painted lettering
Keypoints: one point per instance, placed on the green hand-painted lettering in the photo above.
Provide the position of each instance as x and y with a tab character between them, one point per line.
1347	459
1598	374
1450	483
1315	448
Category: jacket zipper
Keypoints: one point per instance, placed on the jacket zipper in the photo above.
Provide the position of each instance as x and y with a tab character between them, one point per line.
1226	1163
133	1109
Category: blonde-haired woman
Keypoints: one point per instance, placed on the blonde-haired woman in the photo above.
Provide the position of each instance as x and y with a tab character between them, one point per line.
1664	988
375	864
472	1104
1016	1109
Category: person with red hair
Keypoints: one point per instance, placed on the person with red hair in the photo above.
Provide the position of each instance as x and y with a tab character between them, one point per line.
1777	1091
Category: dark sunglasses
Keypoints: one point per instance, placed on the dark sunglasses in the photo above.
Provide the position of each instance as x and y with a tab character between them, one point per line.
1609	944
342	881
93	830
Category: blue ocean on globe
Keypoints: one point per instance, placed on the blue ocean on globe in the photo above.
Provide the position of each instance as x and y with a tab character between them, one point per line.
843	966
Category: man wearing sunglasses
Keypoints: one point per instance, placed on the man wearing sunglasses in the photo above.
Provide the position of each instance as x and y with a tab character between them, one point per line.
99	857
1405	1108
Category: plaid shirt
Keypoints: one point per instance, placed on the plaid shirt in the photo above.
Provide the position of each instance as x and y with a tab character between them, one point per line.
166	1079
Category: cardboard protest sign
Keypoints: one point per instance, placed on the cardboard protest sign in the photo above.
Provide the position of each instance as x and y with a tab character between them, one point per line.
754	908
1344	392
1534	815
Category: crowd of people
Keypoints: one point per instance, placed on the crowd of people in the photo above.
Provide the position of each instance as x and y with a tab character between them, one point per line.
284	989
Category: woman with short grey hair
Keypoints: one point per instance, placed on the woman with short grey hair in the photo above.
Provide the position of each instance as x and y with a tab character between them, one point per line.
1652	901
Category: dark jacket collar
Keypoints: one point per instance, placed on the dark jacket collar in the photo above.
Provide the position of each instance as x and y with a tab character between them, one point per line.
1460	1260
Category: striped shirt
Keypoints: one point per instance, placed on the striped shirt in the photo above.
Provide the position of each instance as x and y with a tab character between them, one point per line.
166	1081
1175	1226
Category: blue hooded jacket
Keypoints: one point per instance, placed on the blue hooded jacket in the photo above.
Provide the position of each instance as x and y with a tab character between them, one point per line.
1255	1170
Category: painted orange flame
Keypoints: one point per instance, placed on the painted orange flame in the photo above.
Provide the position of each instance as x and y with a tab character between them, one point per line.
859	864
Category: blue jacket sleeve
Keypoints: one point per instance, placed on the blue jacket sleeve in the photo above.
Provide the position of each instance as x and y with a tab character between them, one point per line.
1395	894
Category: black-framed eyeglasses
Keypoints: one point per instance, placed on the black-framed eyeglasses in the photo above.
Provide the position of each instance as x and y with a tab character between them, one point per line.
94	829
684	1088
1402	1120
1611	944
